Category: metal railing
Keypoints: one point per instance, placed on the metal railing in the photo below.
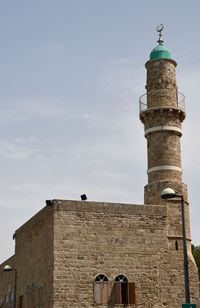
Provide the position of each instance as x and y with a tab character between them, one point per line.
162	98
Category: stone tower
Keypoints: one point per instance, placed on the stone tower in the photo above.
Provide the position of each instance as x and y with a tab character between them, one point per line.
162	113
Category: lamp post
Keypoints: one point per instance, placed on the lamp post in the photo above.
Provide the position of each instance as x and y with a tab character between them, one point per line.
8	268
169	193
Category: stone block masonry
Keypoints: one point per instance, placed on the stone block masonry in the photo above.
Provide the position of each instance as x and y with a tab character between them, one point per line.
64	247
91	238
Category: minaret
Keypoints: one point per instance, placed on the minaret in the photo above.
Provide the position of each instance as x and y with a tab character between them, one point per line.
162	113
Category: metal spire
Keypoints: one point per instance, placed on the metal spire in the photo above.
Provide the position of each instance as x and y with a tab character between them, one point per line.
159	29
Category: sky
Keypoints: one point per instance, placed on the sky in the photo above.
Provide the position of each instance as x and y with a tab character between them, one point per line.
71	74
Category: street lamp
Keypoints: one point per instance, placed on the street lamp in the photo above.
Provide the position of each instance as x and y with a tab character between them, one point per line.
169	193
8	268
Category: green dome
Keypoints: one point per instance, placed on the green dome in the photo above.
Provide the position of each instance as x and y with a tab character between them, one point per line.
159	52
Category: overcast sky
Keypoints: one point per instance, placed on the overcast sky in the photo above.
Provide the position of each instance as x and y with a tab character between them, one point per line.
71	74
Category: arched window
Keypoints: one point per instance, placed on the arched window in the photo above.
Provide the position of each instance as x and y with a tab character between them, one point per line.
101	277
121	289
124	291
118	291
101	289
121	278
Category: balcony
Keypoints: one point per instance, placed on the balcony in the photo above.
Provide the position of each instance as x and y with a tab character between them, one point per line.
164	98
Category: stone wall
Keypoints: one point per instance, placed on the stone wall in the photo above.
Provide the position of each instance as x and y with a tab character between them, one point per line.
93	238
34	260
61	250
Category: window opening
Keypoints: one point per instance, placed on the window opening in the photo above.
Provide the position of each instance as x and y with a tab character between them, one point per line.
121	278
28	297
40	296
6	298
21	300
101	289
124	291
121	289
101	277
12	295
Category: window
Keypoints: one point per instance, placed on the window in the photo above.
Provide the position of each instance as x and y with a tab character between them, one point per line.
21	301
40	295
101	277
119	291
6	299
101	289
124	291
28	297
33	296
12	296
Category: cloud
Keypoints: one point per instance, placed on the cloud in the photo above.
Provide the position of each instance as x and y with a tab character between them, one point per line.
25	108
16	151
123	78
27	188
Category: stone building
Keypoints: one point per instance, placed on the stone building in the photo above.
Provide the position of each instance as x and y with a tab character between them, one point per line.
89	254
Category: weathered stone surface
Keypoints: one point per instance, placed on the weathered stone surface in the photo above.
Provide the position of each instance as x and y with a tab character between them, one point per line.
64	247
163	144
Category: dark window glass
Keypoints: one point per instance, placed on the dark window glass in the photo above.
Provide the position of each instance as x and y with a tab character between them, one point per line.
121	278
101	277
